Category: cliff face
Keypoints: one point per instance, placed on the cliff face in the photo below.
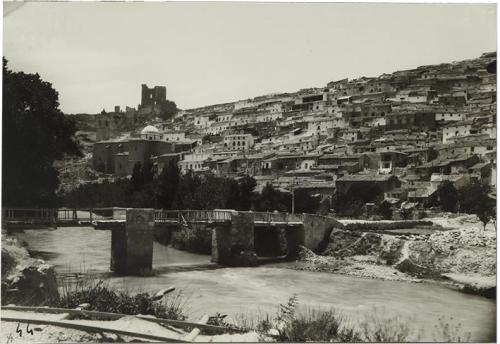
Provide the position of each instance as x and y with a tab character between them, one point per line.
25	281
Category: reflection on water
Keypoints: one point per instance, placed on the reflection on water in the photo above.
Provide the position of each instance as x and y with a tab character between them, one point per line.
258	290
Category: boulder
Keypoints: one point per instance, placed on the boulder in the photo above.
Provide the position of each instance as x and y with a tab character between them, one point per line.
348	243
390	251
26	281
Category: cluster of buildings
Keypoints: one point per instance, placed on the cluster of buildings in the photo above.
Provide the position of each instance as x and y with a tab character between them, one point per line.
406	132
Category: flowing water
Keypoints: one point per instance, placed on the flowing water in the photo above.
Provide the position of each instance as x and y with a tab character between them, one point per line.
256	291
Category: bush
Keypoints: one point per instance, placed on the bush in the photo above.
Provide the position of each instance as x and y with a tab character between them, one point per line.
101	298
291	325
196	240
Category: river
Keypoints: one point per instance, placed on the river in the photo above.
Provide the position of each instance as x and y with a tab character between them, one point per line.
256	291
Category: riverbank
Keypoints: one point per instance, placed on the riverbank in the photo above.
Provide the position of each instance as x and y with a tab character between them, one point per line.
255	292
459	254
25	279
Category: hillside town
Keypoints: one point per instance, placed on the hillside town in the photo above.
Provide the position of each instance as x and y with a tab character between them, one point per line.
249	172
404	132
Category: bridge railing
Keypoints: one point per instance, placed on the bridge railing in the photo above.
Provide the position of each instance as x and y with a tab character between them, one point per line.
270	217
27	214
167	216
62	214
115	213
206	215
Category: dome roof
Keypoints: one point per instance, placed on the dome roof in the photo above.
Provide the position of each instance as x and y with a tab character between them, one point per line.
150	130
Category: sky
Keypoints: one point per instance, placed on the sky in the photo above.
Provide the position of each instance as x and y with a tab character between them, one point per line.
97	54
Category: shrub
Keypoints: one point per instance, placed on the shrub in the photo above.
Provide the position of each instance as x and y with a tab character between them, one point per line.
103	299
194	240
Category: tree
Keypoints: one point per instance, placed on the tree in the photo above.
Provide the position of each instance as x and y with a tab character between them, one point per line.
35	134
168	186
474	199
272	199
142	188
169	109
246	186
351	203
385	210
447	196
233	200
305	203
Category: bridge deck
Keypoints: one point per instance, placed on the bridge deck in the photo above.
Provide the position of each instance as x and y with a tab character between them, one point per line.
102	217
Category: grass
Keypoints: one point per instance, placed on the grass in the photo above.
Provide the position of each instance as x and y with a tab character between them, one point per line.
102	298
452	333
297	324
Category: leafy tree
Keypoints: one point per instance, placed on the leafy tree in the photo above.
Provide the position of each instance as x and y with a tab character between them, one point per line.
246	187
474	199
35	134
385	210
352	202
142	186
169	109
272	199
447	196
168	186
96	195
305	203
233	196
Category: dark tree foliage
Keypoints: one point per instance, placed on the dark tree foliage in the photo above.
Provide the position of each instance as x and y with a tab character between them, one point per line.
447	196
474	199
35	134
141	188
246	187
168	186
385	209
205	191
169	109
171	190
233	196
272	199
305	203
99	195
352	202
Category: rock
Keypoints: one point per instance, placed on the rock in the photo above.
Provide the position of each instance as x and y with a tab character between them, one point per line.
344	243
408	266
26	281
391	250
305	253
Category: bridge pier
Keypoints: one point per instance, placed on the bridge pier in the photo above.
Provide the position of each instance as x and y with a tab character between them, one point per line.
233	243
294	237
132	243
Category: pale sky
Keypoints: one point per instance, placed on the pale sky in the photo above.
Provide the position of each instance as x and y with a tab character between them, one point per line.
98	54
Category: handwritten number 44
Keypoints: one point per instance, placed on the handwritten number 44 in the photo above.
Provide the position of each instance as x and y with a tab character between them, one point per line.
20	331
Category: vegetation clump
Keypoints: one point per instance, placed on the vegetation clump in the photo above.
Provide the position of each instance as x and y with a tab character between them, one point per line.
102	298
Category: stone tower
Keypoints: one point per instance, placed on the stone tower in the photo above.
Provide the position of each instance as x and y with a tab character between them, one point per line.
153	96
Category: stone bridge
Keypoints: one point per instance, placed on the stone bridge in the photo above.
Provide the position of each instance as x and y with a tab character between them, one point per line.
237	236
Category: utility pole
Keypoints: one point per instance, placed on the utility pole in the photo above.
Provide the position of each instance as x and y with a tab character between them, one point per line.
293	196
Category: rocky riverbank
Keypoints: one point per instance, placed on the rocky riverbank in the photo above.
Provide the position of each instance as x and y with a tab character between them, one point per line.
25	280
460	254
